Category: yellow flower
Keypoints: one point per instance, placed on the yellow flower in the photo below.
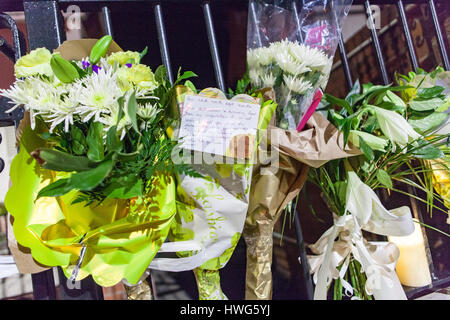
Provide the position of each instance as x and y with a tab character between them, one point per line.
139	75
123	57
36	62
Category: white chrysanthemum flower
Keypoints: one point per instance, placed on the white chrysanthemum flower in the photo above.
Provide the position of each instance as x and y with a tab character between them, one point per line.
259	57
252	59
110	120
254	75
296	85
39	97
268	80
279	46
311	57
288	64
97	94
64	111
148	111
19	94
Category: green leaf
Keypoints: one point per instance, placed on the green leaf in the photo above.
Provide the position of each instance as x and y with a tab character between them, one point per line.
121	113
63	69
366	149
354	93
88	180
423	124
125	188
132	109
428	93
81	73
94	141
190	85
339	102
384	178
99	49
79	146
186	75
427	151
142	54
62	161
425	105
161	74
58	188
113	144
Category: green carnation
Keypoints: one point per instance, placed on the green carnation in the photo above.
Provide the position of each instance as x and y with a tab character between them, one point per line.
139	75
37	62
123	58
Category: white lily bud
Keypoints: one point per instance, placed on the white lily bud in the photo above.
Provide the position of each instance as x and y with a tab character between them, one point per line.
395	127
376	143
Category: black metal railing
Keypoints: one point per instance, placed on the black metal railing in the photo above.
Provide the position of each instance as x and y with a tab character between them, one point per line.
46	29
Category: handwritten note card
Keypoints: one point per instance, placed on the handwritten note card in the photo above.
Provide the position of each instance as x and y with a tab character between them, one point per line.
218	126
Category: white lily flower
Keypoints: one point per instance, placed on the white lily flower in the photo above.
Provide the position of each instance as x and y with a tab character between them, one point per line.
395	127
363	203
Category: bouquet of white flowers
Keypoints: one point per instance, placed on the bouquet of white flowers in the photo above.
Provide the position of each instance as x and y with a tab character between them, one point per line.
292	51
94	167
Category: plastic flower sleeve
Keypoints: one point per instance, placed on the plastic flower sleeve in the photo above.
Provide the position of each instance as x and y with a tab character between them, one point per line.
121	237
291	48
211	210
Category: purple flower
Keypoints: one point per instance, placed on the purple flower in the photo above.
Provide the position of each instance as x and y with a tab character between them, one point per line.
128	65
95	68
85	64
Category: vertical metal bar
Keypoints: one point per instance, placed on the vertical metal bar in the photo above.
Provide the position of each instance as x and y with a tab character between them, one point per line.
345	65
106	14
213	46
303	257
44	24
376	43
440	38
163	41
44	285
18	40
409	41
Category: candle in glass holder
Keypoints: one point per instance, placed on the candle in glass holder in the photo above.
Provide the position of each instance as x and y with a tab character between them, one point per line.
412	266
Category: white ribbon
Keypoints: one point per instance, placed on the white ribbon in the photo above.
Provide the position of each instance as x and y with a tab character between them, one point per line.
377	259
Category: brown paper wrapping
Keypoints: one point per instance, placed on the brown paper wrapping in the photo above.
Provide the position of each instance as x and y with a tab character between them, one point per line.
70	50
272	190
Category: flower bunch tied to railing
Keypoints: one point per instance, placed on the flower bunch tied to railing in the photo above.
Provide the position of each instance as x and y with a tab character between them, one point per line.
397	129
92	186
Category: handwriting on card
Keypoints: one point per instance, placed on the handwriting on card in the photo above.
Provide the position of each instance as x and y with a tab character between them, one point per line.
219	126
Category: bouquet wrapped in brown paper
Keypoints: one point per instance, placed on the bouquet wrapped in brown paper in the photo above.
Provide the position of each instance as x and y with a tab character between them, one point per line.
278	182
